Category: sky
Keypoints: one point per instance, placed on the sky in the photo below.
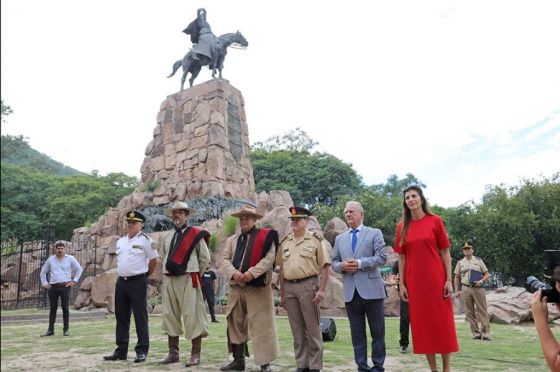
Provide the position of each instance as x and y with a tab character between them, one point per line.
462	94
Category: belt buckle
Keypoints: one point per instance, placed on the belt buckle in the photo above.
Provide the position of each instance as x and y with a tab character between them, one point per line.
125	277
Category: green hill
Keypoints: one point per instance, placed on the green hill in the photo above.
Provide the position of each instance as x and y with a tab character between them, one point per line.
15	150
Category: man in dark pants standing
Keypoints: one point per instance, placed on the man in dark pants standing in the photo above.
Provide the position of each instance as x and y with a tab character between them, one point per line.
60	267
209	291
404	319
358	253
136	261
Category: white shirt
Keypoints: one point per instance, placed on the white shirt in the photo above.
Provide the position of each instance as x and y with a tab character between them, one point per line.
133	254
61	270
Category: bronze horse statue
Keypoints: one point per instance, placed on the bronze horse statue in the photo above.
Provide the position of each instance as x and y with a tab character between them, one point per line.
192	62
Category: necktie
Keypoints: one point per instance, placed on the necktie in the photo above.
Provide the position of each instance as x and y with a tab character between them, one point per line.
354	239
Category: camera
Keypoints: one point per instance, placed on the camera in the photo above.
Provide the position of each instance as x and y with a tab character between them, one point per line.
551	275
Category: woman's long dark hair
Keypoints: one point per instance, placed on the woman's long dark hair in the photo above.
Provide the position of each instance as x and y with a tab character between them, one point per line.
407	215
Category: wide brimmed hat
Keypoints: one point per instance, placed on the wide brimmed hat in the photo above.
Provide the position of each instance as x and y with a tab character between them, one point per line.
247	211
179	205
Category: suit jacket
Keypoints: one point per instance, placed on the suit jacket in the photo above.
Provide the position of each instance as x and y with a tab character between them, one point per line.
371	251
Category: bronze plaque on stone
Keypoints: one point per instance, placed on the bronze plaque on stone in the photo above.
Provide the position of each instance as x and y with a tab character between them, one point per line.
235	131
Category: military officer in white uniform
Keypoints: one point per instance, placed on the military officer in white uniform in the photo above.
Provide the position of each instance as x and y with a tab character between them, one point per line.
136	261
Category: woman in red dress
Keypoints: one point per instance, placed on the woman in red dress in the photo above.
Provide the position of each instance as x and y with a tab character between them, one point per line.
424	259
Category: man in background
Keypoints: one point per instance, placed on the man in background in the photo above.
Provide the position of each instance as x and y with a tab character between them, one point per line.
60	268
209	290
472	273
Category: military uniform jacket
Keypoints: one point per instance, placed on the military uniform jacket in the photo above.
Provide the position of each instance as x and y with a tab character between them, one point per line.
302	258
464	267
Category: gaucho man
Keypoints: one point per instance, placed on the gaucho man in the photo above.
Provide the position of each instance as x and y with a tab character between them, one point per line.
248	261
185	258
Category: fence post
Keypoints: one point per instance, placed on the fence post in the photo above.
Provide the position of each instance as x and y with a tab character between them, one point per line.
20	242
48	238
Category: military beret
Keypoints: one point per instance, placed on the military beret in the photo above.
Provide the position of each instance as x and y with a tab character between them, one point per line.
299	212
135	215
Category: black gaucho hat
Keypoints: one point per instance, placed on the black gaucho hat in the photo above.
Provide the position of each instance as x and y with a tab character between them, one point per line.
299	212
135	215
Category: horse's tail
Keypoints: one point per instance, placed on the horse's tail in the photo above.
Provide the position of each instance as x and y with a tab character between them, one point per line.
176	66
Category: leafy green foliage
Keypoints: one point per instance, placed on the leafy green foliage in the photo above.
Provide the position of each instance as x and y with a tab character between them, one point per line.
6	110
30	198
151	186
213	242
16	150
294	140
230	224
309	178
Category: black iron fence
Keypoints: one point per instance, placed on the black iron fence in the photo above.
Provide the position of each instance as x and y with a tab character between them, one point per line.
21	264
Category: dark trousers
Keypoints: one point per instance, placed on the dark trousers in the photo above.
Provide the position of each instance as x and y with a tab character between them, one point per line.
54	293
404	324
130	298
358	310
209	297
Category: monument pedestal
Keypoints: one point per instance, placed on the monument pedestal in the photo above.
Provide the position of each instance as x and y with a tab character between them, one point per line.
200	146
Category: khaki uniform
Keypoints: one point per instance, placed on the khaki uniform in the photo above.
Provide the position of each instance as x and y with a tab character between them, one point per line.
181	303
473	296
250	310
302	260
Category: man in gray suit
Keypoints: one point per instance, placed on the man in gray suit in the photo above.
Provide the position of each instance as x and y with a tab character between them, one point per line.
357	254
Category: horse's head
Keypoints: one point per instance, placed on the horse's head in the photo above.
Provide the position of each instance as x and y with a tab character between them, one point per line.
238	38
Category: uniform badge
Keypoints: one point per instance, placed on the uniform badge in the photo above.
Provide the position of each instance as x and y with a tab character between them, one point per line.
136	246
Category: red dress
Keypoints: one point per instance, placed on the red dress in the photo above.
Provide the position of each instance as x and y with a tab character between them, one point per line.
431	316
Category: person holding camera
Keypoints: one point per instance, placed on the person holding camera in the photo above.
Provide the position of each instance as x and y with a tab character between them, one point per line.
472	272
539	307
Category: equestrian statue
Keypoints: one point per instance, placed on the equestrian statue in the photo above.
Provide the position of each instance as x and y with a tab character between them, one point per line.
208	50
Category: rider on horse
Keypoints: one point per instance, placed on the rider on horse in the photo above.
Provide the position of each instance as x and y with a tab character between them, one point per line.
202	37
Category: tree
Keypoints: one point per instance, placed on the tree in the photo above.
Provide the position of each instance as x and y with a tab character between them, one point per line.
513	226
395	186
309	178
6	110
293	140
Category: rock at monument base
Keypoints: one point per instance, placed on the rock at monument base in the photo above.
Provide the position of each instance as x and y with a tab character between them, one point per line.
333	228
103	290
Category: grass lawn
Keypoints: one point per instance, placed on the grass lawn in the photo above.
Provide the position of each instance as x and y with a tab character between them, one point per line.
513	348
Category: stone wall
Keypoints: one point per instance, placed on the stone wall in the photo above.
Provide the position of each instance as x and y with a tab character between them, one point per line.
200	146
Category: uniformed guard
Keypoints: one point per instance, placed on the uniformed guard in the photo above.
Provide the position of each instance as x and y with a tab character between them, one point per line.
472	273
185	257
302	257
136	261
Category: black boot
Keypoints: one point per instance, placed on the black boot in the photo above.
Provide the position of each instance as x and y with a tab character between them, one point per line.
238	363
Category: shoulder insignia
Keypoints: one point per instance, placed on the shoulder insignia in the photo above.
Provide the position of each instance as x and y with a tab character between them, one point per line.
317	236
142	233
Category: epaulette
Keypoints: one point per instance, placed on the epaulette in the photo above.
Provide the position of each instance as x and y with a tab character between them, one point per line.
319	237
142	233
286	237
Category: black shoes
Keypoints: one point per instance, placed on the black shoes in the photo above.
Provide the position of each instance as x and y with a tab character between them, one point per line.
140	358
49	333
215	321
477	337
115	356
486	338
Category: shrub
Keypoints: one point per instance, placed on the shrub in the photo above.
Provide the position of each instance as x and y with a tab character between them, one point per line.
213	242
151	186
230	224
